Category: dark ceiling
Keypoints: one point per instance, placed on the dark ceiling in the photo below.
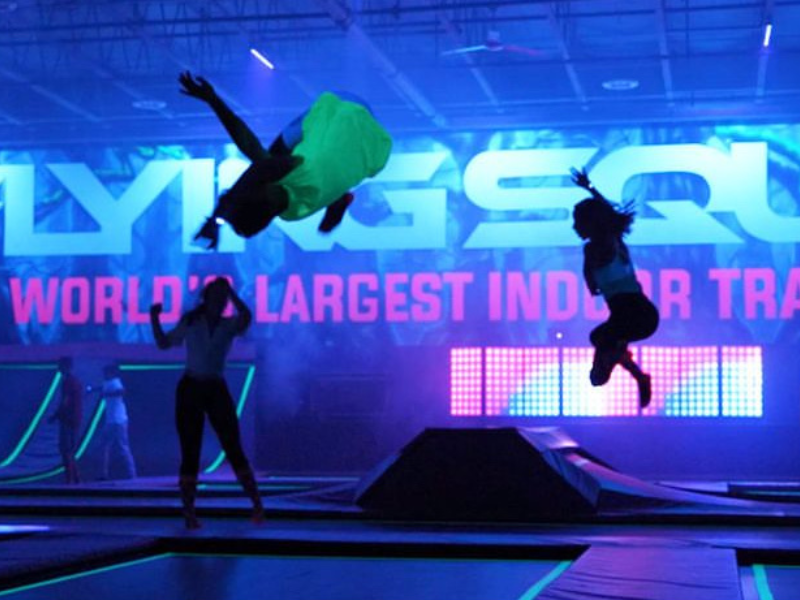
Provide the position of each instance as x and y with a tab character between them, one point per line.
85	70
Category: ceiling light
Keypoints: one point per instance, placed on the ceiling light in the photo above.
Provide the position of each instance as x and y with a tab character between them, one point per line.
767	35
620	85
263	59
149	104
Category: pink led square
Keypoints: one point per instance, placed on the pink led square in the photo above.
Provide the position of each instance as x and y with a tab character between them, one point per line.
522	381
742	381
618	397
466	381
687	381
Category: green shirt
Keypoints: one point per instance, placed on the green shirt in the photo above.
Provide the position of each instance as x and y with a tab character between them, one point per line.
342	145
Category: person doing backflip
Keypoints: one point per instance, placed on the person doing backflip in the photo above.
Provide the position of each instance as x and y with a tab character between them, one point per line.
608	270
312	165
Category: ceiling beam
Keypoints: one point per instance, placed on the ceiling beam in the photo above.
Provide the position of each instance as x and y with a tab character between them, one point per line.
247	38
10	119
455	34
107	74
54	97
663	51
561	42
46	92
137	25
402	86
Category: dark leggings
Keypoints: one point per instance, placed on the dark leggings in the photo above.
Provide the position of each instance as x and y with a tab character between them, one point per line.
194	399
633	317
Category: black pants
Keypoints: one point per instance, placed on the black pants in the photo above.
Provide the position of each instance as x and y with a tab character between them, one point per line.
633	317
194	400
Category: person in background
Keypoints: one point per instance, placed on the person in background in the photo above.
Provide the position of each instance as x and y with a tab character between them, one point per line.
203	391
69	415
115	433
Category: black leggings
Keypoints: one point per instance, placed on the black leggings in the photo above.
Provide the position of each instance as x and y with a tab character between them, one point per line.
633	317
194	399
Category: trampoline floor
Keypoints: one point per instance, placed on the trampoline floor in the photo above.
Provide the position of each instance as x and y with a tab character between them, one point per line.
127	541
135	558
230	577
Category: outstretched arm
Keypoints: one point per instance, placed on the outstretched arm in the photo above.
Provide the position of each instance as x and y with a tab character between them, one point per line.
240	133
581	179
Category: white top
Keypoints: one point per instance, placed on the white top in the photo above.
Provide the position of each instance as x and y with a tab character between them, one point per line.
206	351
116	412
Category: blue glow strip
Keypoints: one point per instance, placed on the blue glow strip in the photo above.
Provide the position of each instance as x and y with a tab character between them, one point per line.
235	486
539	586
37	477
160	367
762	585
98	413
27	366
248	382
34	422
84	444
63	578
312	479
169	366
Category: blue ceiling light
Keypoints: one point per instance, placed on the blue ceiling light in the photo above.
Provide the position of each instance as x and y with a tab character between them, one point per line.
767	35
149	104
620	85
262	59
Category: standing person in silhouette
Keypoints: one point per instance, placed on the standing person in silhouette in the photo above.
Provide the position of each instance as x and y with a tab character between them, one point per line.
608	270
115	431
69	415
202	390
312	165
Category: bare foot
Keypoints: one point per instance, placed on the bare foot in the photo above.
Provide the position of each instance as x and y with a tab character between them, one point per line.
645	389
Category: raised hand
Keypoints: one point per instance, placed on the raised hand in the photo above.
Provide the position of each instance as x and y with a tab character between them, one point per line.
156	309
208	234
196	87
580	178
225	282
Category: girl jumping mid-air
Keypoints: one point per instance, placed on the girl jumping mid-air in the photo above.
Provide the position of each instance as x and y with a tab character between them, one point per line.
608	270
313	164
